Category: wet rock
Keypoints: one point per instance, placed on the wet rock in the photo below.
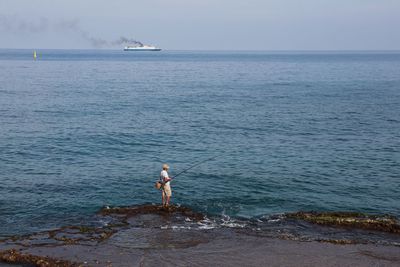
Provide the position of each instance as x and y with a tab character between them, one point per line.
13	256
150	234
151	209
350	219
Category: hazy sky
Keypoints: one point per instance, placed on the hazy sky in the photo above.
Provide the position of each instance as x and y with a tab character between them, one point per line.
203	24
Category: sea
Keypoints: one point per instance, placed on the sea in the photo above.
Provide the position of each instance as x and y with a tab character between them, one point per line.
275	132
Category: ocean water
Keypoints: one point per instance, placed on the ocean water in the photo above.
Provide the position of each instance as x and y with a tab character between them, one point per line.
81	129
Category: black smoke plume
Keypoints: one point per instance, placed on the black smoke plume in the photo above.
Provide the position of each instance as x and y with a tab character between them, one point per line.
17	25
124	41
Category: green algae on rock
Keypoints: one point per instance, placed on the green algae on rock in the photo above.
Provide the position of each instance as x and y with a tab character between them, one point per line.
13	256
384	223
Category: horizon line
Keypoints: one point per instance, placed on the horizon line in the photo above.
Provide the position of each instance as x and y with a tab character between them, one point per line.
221	50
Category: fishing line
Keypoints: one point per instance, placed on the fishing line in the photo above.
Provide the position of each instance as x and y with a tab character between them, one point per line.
195	165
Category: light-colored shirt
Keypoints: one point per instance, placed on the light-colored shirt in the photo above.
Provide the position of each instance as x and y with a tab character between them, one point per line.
163	176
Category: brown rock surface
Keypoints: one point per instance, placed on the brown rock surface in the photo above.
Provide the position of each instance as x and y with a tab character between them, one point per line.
151	236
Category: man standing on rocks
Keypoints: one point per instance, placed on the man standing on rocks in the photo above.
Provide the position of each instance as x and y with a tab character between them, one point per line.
166	187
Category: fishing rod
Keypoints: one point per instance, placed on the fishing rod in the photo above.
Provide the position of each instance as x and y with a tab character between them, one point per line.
195	165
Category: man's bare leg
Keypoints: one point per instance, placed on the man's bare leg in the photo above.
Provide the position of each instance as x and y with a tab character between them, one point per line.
163	198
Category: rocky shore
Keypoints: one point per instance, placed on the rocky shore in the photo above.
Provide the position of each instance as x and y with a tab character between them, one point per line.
149	235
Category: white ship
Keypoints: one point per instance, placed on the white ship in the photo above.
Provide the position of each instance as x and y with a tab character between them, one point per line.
141	47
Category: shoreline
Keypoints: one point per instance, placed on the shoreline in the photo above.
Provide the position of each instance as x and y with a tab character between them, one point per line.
224	249
148	235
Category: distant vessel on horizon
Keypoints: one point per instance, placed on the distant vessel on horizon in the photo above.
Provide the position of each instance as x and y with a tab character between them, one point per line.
141	47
